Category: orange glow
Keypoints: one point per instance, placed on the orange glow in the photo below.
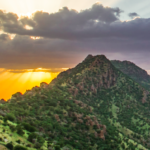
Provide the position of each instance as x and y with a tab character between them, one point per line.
64	68
28	27
20	82
35	37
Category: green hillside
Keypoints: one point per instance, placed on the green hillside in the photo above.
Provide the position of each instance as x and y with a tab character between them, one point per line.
93	106
133	71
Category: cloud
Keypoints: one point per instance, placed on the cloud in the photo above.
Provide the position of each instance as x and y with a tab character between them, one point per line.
63	24
53	70
67	36
95	22
4	37
132	15
23	52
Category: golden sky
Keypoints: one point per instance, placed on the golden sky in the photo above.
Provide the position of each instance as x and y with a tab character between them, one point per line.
26	7
20	82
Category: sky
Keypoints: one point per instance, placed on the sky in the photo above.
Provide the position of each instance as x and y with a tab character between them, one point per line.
59	34
20	82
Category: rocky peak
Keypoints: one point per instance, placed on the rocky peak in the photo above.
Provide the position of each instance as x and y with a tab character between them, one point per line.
90	76
89	57
89	62
100	57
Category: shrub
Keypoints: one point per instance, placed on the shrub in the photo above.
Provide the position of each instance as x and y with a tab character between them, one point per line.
18	147
18	141
37	145
9	117
57	147
28	145
4	124
12	128
20	130
32	136
39	139
10	146
28	127
53	103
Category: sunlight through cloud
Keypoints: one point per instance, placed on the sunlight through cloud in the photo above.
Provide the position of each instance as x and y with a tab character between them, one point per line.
21	80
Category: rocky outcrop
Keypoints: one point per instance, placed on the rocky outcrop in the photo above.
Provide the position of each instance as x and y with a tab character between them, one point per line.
89	57
145	94
57	117
2	101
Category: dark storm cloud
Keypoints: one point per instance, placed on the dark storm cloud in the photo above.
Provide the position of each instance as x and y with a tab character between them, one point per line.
67	36
4	37
132	15
96	22
24	53
63	24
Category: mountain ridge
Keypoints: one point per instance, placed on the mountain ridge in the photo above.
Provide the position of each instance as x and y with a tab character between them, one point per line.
91	106
132	70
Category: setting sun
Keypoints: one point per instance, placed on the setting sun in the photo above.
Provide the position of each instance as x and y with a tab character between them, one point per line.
13	82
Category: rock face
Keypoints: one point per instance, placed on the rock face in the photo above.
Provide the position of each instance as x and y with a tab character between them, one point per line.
89	57
95	69
145	94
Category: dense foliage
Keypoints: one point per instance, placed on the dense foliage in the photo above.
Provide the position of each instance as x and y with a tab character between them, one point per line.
93	106
133	71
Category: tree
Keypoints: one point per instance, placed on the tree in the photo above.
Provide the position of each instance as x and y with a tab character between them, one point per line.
9	146
28	127
10	117
20	130
57	147
18	147
38	139
32	136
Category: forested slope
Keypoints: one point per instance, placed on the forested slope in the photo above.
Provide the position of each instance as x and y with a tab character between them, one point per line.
92	106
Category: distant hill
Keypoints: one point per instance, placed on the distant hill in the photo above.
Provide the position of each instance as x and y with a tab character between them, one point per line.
93	106
133	71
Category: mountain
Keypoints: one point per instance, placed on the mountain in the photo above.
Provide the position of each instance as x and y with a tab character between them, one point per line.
93	106
133	71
